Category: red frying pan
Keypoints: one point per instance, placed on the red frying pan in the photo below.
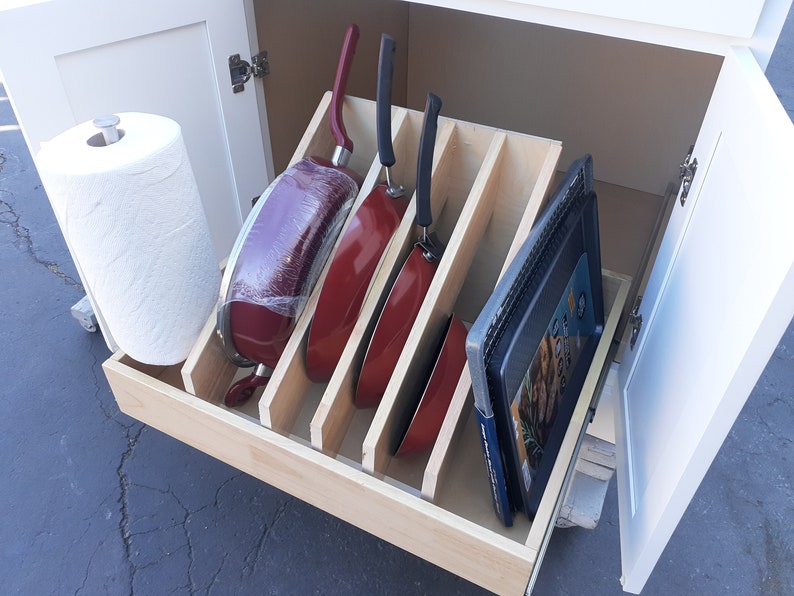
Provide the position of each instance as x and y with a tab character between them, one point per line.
408	292
360	249
282	247
421	431
423	428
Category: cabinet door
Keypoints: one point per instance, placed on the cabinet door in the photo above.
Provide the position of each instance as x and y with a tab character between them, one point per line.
719	298
65	62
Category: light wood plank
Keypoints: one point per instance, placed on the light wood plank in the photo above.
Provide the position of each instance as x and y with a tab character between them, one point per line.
537	199
207	373
525	173
386	511
445	447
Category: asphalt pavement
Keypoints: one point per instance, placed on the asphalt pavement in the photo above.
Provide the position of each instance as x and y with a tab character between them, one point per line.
94	502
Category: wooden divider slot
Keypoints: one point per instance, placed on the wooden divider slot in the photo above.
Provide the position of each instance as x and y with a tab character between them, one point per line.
506	198
289	390
207	373
155	371
445	449
405	385
462	485
527	165
336	411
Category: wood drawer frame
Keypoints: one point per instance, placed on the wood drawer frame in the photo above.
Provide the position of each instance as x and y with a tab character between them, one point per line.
278	446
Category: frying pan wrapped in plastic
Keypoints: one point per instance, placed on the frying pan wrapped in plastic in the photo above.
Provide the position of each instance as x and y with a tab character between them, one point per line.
281	250
279	258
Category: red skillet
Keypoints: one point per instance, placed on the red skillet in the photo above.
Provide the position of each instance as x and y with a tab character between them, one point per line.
282	247
408	292
422	430
360	249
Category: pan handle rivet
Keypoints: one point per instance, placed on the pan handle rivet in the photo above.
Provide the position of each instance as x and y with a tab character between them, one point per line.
394	190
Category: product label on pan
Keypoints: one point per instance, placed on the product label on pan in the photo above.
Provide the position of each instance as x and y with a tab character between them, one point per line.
543	388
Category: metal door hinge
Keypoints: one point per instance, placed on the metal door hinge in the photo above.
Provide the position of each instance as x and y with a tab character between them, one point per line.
686	172
241	70
635	320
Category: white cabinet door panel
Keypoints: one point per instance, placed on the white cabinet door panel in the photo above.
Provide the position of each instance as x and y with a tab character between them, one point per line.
719	298
67	61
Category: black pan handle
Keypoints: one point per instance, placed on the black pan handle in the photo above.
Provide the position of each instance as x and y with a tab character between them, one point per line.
385	74
424	167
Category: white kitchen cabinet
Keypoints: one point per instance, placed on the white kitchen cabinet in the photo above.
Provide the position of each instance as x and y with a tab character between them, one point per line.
634	84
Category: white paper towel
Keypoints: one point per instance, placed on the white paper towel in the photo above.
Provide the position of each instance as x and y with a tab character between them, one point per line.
132	215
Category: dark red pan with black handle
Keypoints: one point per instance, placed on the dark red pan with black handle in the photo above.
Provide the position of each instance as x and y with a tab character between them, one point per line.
409	289
283	246
356	259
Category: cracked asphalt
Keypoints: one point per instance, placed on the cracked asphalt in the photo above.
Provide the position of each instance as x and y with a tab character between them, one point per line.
94	502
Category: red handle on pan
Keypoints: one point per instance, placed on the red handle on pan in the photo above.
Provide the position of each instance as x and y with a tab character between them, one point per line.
242	390
340	84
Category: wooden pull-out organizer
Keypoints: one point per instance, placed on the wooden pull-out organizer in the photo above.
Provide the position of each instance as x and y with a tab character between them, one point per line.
310	441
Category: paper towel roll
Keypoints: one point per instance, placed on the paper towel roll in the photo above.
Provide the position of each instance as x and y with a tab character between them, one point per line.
132	215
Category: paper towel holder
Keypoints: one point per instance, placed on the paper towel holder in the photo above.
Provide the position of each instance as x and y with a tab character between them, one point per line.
108	134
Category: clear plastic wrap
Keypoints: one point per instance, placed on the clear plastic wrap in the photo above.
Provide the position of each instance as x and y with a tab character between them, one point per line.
283	246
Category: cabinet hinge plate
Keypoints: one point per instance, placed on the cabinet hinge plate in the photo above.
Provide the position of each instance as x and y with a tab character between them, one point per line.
635	320
686	172
241	70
